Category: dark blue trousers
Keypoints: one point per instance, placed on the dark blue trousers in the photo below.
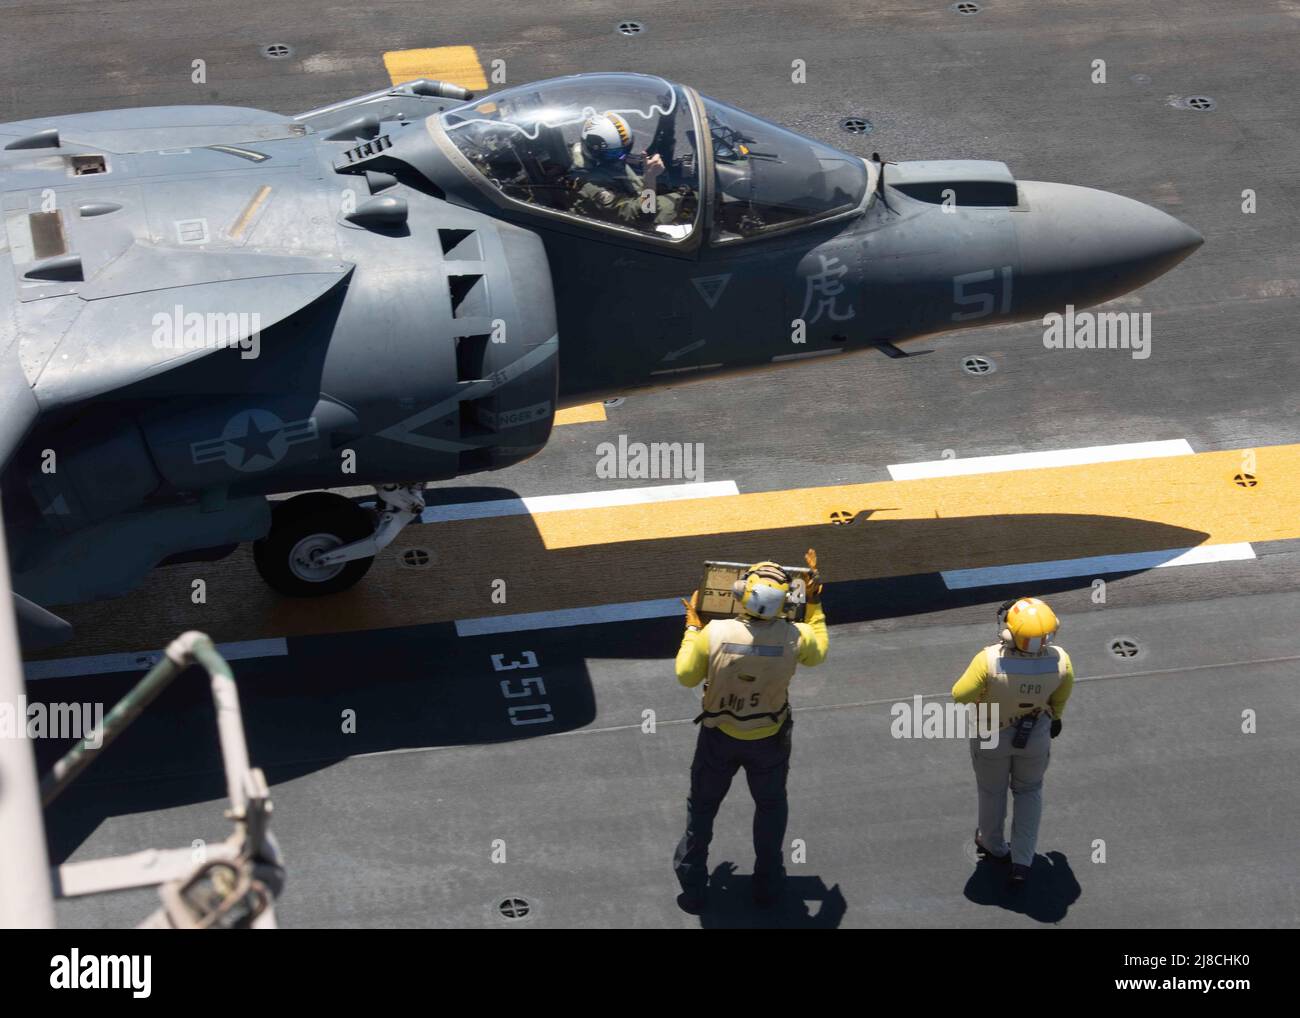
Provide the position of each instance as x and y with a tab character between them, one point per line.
717	758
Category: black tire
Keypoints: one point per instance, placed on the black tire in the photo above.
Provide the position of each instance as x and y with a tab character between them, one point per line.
325	522
309	503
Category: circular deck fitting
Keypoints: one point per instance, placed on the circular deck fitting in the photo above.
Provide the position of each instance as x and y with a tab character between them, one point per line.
966	8
514	908
630	28
1125	647
978	365
1200	103
277	51
416	558
857	125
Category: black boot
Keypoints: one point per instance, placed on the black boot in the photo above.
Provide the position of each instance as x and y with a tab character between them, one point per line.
767	888
983	853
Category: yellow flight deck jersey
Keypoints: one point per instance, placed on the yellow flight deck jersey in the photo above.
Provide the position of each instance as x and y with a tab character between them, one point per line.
768	649
1018	683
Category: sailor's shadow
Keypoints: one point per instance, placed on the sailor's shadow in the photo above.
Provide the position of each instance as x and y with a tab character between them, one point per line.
805	903
1045	897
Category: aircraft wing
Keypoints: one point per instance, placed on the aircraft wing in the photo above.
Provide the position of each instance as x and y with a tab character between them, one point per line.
148	129
37	627
117	336
19	403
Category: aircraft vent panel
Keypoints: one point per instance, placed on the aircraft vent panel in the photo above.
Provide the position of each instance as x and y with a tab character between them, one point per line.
476	418
367	150
966	193
461	245
965	182
471	353
85	165
47	234
469	296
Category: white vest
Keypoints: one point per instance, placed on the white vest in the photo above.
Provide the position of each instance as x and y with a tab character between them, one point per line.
1021	683
751	664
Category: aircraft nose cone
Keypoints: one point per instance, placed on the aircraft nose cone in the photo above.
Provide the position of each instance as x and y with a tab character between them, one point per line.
1082	246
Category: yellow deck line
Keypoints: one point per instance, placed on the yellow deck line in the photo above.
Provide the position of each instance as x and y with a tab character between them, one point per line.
585	414
1194	492
456	64
571	558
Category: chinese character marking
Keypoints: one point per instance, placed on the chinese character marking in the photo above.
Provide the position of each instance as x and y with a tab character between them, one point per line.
825	286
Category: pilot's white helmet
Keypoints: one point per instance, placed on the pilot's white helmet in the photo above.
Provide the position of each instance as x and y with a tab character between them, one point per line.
606	136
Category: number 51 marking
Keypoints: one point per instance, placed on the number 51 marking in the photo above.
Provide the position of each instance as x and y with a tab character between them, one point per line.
985	301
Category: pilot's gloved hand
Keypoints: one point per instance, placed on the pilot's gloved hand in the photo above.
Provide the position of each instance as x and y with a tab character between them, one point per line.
814	583
693	610
1056	727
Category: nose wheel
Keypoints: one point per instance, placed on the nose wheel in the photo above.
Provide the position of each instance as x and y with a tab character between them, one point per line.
304	530
304	559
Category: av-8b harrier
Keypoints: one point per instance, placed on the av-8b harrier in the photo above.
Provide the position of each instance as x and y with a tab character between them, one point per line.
207	305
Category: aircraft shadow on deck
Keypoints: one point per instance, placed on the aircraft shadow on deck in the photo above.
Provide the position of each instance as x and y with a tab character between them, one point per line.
423	686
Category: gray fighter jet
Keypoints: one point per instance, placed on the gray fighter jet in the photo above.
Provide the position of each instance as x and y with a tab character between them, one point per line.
207	305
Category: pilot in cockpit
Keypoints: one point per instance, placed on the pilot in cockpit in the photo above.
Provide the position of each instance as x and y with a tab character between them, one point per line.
604	183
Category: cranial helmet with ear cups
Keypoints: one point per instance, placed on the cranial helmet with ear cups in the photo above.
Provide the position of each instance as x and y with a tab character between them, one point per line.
1027	624
763	590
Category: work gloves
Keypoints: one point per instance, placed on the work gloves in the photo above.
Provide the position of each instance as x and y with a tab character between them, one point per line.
693	610
814	585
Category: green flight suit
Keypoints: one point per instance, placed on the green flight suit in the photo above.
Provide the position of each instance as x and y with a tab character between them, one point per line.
612	191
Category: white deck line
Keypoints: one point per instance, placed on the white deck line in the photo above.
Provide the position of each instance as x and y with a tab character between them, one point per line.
991	576
628	611
96	664
578	500
1038	460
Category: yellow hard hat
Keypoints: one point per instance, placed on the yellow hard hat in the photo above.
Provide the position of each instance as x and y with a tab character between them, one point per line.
763	590
1030	625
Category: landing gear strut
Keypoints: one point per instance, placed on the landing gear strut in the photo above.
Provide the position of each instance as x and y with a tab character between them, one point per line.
323	543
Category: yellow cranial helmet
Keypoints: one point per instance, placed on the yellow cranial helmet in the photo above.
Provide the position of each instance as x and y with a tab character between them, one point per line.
1029	625
763	590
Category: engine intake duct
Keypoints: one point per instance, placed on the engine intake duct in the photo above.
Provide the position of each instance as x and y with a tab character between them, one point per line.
962	182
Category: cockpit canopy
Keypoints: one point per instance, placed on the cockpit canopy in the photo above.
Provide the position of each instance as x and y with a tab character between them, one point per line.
767	177
622	150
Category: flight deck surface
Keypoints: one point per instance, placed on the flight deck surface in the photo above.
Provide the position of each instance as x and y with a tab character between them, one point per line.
1175	478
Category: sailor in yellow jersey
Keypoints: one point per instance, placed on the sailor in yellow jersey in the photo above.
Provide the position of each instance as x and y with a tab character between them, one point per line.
745	722
1029	679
